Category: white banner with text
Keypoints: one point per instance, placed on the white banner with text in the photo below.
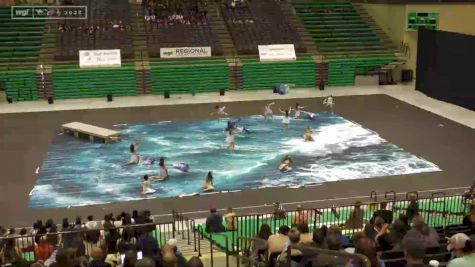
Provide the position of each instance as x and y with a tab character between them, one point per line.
99	58
277	52
181	52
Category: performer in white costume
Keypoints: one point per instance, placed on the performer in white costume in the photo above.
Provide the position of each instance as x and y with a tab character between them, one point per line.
268	111
146	187
328	102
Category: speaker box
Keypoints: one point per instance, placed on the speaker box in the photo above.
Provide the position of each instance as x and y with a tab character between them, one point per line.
166	94
9	100
221	92
109	98
50	100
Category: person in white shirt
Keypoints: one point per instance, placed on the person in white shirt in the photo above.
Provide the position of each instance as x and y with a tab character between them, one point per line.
219	112
286	119
268	111
231	139
147	188
328	102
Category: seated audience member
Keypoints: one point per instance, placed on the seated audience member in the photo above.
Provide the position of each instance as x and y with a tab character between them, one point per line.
463	249
98	256
214	222
171	258
396	235
193	262
53	236
333	243
279	211
127	242
336	231
146	262
148	245
295	254
354	239
387	215
366	246
377	226
415	252
421	231
355	220
306	238
231	220
130	259
278	242
44	249
469	219
319	239
405	220
301	216
258	247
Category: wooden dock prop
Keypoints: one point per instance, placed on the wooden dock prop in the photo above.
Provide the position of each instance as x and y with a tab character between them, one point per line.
92	131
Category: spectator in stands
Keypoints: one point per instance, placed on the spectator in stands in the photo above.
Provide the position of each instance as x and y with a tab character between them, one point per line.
49	223
336	231
319	238
469	219
78	225
108	222
91	224
258	247
306	237
170	258
44	249
53	236
214	222
355	220
463	249
9	252
294	238
377	228
397	233
146	262
77	243
405	220
277	242
148	245
366	247
135	214
421	231
231	220
301	216
23	241
111	240
415	252
98	257
127	242
413	208
387	215
279	211
193	262
333	243
130	258
355	239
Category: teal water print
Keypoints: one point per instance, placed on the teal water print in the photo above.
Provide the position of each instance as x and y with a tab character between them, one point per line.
76	172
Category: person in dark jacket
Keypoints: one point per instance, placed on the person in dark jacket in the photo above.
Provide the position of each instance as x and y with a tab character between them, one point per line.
214	222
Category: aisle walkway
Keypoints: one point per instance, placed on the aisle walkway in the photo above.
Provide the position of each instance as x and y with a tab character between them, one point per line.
405	93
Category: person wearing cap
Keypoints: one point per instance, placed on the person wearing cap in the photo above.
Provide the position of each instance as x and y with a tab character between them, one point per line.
463	249
415	252
214	222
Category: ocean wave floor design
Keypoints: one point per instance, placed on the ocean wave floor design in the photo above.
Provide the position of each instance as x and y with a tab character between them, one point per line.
76	172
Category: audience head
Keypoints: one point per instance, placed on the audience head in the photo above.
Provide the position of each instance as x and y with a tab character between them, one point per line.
169	256
78	220
97	254
404	219
90	218
294	236
460	244
334	230
23	231
419	224
303	228
414	250
212	210
49	223
319	238
230	210
65	223
284	230
333	242
367	248
383	205
357	236
358	203
299	207
145	262
193	262
265	232
398	231
378	222
130	258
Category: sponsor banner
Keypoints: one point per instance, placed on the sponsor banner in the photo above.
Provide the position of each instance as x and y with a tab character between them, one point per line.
99	58
181	52
277	52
